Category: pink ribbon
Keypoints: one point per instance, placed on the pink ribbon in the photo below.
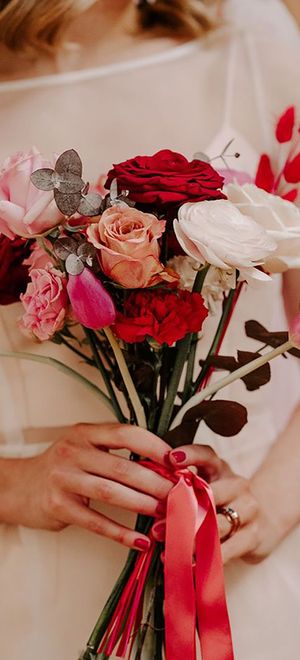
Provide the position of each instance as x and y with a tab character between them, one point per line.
194	582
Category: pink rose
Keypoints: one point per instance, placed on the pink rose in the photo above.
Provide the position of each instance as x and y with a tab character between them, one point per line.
45	301
25	210
128	247
38	258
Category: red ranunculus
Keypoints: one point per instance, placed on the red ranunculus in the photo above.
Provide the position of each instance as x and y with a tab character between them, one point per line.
166	178
166	316
13	274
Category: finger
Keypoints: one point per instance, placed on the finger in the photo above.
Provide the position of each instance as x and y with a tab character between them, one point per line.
245	506
227	489
81	516
241	544
123	436
123	471
112	493
201	456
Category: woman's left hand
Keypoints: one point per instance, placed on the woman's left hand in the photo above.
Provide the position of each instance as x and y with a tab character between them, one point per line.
257	535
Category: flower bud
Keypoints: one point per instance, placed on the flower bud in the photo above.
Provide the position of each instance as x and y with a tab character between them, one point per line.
92	305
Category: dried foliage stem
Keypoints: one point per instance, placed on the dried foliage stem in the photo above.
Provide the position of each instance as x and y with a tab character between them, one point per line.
128	382
52	362
235	375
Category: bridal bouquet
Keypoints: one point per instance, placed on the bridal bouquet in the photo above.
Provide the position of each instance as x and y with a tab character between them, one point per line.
124	273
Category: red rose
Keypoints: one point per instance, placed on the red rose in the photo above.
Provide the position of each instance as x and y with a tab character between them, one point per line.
13	274
166	178
166	316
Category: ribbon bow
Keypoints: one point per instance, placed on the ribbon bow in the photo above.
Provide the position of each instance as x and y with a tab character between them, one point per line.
193	574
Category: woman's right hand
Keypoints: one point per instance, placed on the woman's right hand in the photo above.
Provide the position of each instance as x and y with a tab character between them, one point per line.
53	490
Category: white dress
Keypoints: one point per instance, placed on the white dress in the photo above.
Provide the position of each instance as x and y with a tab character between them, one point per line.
232	84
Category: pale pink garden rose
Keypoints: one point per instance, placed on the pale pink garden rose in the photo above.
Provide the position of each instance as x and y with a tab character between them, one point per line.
25	210
38	258
217	233
45	302
128	247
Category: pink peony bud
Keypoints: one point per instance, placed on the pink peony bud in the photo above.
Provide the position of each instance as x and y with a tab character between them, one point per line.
92	305
294	331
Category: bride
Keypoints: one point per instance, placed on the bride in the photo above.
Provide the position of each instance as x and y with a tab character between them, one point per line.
74	73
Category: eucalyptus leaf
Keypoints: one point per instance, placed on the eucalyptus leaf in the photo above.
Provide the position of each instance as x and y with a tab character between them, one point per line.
68	183
74	265
69	161
90	204
114	190
86	250
43	179
67	204
65	246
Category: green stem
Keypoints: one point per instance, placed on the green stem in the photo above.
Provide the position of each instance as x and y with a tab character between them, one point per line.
105	376
183	348
52	362
235	375
128	382
213	347
75	350
187	390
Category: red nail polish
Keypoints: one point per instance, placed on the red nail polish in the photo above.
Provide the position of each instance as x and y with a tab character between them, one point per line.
167	458
142	544
178	456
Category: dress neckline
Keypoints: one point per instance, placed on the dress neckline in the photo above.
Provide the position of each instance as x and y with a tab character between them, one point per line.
82	75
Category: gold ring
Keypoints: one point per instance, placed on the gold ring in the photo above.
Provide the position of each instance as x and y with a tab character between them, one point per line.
232	517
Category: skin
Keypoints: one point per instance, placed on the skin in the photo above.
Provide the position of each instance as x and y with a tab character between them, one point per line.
53	490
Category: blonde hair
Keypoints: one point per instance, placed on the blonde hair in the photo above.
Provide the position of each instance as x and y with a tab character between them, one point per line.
39	25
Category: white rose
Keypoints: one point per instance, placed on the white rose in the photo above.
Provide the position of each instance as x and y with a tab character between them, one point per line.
280	219
217	233
186	268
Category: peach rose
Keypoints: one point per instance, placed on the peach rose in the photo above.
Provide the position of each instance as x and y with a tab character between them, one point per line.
25	210
45	301
128	247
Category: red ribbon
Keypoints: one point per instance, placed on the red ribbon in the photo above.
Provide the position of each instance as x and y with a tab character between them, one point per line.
194	583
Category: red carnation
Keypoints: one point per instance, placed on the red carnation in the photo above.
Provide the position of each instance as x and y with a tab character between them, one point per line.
13	274
166	316
166	178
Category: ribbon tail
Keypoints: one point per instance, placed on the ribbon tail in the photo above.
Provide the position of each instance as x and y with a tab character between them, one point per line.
212	614
180	602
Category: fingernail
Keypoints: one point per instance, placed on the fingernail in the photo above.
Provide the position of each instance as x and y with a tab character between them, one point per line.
142	544
161	508
178	456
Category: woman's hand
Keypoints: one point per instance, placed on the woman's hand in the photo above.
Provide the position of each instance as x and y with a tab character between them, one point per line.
257	535
53	490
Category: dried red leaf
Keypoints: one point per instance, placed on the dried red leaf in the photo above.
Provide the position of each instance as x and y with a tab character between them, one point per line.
285	125
265	177
291	195
292	170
